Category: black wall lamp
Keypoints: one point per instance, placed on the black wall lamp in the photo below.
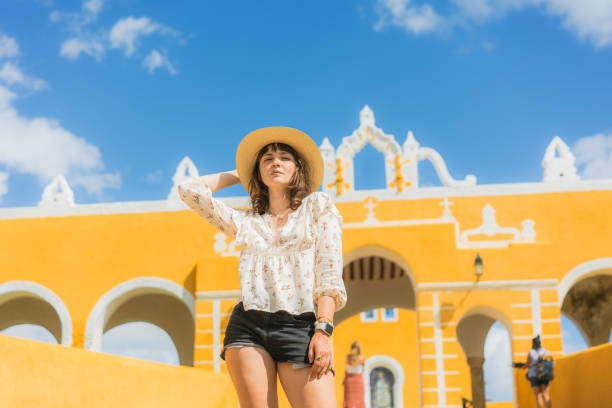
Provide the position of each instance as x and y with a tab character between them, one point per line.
478	266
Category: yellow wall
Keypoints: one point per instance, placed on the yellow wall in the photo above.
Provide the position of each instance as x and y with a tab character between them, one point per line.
582	379
35	374
80	258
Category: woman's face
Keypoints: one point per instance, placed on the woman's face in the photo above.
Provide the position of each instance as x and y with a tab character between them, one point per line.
277	168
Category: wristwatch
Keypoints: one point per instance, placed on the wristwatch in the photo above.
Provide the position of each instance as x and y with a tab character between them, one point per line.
325	327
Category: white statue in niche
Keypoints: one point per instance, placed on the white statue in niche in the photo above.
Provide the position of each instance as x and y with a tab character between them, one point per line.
382	394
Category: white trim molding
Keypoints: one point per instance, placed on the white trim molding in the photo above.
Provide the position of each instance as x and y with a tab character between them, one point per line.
15	289
582	271
112	299
398	374
526	284
218	295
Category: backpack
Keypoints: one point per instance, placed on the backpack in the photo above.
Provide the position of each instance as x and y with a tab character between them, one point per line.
545	369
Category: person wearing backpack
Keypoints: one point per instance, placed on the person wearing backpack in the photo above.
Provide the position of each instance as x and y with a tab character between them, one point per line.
540	372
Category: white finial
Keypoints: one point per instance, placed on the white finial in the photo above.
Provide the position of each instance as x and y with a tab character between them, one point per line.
410	145
326	146
186	169
57	193
558	162
366	117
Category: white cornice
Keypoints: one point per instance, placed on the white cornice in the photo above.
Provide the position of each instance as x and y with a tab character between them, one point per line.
488	285
353	196
218	294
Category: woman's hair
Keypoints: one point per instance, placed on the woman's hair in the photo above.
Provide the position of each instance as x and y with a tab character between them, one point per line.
355	353
355	348
536	343
299	187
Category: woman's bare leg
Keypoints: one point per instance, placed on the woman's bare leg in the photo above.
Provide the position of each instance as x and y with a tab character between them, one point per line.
303	392
253	373
538	396
546	396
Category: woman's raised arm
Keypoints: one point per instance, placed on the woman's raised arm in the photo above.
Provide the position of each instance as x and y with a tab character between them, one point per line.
197	194
221	180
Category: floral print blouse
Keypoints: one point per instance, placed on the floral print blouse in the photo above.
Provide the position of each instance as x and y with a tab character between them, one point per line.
287	269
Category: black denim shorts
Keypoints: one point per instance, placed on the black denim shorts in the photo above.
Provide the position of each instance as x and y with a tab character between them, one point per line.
284	336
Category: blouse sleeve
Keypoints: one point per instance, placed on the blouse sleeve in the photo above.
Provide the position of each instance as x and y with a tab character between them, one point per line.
328	251
197	195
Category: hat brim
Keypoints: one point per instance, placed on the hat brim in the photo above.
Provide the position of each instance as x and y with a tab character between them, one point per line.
246	154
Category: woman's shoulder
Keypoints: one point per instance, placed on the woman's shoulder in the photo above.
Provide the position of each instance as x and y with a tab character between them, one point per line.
320	202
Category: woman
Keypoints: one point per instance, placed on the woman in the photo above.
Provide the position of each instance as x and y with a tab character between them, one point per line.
290	269
353	379
539	386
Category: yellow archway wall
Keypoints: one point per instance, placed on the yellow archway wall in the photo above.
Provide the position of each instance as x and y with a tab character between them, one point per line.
80	258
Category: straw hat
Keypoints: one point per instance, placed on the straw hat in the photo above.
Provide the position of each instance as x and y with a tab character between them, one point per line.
246	154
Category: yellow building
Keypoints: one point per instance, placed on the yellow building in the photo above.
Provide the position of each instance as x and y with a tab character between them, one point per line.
416	301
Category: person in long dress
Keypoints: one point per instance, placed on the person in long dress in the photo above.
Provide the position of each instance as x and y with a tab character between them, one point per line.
354	391
290	269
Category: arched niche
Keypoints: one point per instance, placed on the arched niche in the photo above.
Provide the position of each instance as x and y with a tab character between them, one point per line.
153	300
375	276
398	376
25	302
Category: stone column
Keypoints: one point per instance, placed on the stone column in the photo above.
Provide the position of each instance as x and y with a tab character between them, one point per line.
478	392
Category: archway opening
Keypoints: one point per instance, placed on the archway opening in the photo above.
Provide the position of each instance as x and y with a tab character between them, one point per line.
571	336
479	333
27	316
369	171
380	314
497	367
156	313
141	340
588	304
31	332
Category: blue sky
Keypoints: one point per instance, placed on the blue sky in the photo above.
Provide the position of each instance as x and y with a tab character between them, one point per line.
113	94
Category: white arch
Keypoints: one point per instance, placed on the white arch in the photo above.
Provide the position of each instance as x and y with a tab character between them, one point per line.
14	289
492	313
398	373
112	299
580	272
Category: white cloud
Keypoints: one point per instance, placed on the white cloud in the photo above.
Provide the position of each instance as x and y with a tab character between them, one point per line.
43	148
571	336
12	75
417	19
497	366
73	47
77	20
126	32
590	20
93	6
30	331
140	340
156	60
594	156
8	46
155	176
3	184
